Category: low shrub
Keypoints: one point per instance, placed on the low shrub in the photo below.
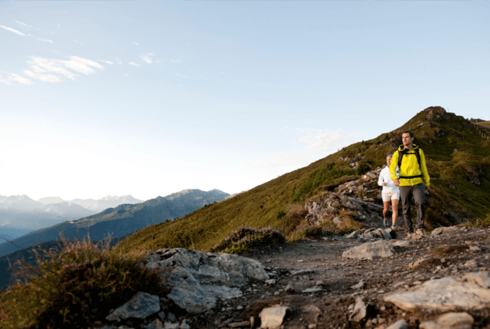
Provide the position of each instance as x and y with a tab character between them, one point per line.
74	287
362	168
245	238
327	228
295	215
483	223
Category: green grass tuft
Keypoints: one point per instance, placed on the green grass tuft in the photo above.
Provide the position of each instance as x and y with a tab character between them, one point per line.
246	238
74	287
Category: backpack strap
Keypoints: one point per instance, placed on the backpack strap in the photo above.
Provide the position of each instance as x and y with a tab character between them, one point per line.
405	152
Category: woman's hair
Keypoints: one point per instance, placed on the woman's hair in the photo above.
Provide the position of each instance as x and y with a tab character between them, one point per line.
389	155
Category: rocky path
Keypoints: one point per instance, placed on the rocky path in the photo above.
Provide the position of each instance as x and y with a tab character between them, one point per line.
311	284
320	286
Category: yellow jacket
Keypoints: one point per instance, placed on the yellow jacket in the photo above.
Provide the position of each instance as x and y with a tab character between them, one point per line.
410	167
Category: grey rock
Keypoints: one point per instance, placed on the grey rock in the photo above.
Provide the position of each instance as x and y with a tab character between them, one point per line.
400	324
337	220
353	235
197	279
156	324
360	285
301	272
371	250
481	278
272	317
471	263
270	282
444	294
380	233
140	306
401	243
445	230
313	289
359	311
450	321
161	315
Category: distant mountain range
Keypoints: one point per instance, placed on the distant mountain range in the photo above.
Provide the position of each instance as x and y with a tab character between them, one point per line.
20	214
119	221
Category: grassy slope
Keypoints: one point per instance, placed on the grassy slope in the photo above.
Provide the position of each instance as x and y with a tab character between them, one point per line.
485	124
259	207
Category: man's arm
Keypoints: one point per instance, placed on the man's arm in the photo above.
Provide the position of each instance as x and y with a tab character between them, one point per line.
423	166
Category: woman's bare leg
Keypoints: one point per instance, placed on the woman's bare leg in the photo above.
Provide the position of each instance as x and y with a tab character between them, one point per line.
386	205
394	207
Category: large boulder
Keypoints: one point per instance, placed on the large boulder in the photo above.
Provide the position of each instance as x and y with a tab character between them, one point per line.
445	294
140	306
197	279
381	248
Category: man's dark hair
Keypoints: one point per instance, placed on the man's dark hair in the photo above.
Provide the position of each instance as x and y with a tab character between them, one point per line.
408	132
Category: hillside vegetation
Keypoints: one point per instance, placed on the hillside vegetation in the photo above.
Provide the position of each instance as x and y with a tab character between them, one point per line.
485	124
458	159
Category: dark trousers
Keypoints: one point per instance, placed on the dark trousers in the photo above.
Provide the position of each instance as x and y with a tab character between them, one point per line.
406	193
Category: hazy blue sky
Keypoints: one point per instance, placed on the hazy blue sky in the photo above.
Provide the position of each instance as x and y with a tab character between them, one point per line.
148	98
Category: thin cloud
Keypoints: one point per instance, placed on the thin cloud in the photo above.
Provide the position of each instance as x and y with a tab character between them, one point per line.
20	79
42	77
54	70
82	65
23	24
15	78
148	57
44	40
76	41
11	30
182	76
109	62
134	64
134	42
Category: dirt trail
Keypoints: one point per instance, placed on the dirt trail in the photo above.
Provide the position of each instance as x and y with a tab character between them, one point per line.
317	264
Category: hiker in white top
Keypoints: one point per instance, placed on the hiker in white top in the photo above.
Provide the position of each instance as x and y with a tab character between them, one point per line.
390	192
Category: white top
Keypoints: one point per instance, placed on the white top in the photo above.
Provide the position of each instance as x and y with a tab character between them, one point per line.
385	177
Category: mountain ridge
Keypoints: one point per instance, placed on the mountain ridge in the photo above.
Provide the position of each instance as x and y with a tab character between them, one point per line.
119	221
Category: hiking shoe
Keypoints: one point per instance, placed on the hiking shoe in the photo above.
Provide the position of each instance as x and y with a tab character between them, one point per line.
386	223
420	232
393	227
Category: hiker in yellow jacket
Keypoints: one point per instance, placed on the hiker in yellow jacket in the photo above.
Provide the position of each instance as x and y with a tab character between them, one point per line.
413	176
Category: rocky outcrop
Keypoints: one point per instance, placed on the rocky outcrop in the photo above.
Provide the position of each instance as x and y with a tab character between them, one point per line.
360	197
196	280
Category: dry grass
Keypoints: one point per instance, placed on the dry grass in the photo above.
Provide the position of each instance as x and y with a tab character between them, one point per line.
74	287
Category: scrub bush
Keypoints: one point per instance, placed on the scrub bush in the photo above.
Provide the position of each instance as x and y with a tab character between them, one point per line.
74	287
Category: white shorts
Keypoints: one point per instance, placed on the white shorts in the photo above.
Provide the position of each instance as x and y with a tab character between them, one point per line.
387	196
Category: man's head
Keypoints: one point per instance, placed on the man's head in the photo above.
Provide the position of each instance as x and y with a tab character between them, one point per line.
407	138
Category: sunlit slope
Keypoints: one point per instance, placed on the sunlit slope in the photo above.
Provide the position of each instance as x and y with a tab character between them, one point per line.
485	124
458	158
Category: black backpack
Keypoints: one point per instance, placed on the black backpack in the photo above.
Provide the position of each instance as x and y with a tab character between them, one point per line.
400	157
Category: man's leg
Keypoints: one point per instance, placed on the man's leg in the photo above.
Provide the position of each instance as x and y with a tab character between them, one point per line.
406	197
419	196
